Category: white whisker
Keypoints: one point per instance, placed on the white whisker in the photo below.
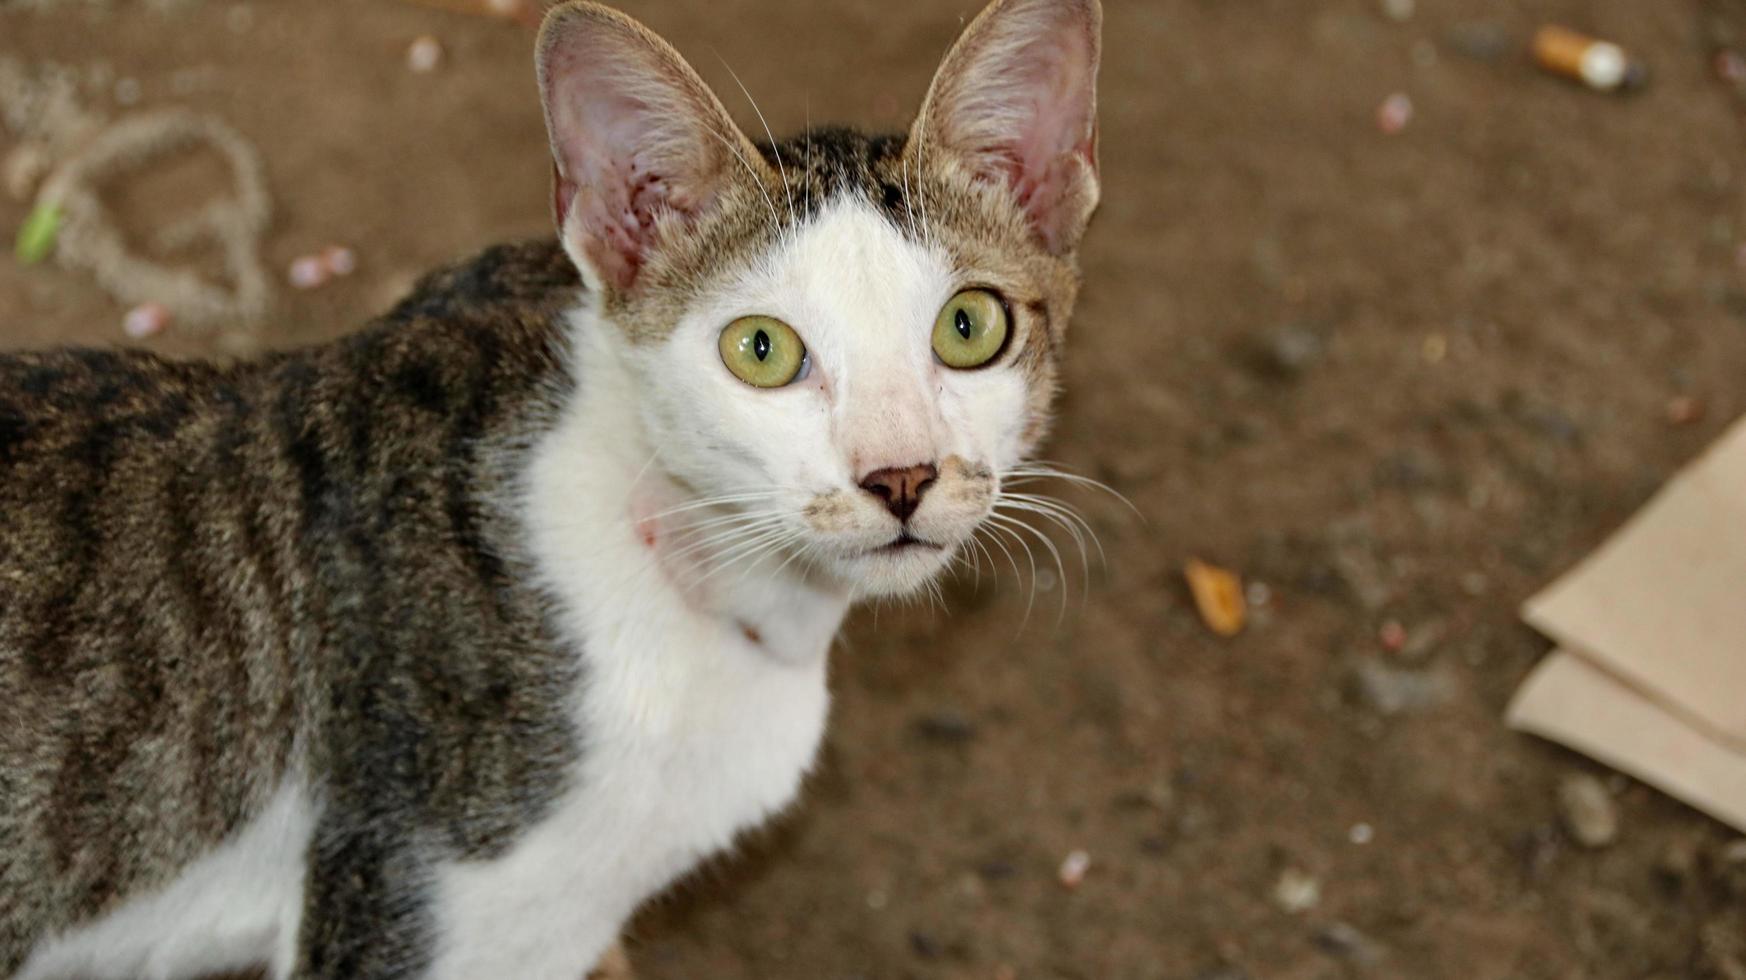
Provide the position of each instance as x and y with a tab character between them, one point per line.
999	527
730	536
726	498
1049	545
750	172
775	151
1034	470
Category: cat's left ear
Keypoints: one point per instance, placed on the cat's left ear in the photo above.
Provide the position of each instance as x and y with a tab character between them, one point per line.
639	143
1015	101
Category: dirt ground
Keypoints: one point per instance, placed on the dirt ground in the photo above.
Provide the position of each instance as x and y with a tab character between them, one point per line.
1404	378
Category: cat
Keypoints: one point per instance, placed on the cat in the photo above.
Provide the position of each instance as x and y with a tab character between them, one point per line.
436	650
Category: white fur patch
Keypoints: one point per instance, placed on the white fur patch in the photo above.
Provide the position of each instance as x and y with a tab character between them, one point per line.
703	703
233	909
692	729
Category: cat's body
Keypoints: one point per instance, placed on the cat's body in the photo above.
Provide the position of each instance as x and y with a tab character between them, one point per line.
408	690
433	651
274	570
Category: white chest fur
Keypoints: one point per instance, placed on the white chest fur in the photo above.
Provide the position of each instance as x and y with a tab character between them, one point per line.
693	729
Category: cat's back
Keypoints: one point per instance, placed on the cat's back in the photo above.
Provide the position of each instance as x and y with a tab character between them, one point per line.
117	585
193	554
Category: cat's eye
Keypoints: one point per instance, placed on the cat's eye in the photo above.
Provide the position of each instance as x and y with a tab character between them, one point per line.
763	351
971	329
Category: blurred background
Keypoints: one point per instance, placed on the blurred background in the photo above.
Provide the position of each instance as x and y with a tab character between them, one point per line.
1377	314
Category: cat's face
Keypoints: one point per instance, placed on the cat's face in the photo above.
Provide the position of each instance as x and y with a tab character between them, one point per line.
877	457
845	341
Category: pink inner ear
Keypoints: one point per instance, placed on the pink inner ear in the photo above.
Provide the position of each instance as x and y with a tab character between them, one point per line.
1019	98
632	132
1041	161
623	205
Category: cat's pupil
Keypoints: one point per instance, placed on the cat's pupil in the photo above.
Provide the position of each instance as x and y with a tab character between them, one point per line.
961	320
761	345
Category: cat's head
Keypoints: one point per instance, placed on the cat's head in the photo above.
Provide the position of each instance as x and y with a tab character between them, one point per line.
848	340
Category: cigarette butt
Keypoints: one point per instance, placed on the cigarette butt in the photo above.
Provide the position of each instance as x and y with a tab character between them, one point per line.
1601	65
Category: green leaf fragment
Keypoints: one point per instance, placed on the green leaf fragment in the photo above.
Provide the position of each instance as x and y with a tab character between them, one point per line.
36	239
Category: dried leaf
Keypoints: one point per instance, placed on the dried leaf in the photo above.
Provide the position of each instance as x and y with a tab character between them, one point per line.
36	239
1218	594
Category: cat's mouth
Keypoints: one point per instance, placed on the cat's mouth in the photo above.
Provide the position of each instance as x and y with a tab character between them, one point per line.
905	542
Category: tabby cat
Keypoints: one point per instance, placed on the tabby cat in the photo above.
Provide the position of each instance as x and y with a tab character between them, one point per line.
434	651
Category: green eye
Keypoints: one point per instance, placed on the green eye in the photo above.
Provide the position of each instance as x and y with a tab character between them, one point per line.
762	351
970	330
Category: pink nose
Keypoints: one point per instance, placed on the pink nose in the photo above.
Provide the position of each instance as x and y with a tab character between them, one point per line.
901	487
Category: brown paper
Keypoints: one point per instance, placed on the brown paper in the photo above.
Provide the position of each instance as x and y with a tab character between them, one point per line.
1652	677
1571	701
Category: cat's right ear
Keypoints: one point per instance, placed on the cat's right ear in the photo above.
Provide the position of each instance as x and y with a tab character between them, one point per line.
1015	102
639	142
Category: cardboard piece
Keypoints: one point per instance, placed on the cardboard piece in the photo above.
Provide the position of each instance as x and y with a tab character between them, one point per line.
1652	675
1569	700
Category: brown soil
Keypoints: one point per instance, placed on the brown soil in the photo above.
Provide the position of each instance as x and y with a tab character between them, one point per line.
1404	377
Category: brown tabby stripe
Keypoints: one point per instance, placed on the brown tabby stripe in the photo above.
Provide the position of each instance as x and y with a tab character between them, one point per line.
209	575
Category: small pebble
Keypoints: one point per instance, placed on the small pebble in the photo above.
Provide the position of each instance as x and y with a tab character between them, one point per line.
1484	41
1731	67
339	260
1346	942
1394	113
1361	833
947	727
1589	813
1392	636
997	870
308	272
424	54
146	320
1073	869
1677	864
1391	691
1684	410
1297	891
1223	973
1258	594
239	343
1434	348
1729	868
25	169
1287	352
1399	11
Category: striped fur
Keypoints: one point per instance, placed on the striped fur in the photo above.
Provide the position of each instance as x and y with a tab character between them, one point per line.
235	599
214	574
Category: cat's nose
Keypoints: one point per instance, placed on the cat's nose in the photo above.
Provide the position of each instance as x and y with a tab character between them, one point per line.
901	487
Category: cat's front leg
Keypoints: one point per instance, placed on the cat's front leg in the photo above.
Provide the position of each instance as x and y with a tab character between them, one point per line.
366	904
376	907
